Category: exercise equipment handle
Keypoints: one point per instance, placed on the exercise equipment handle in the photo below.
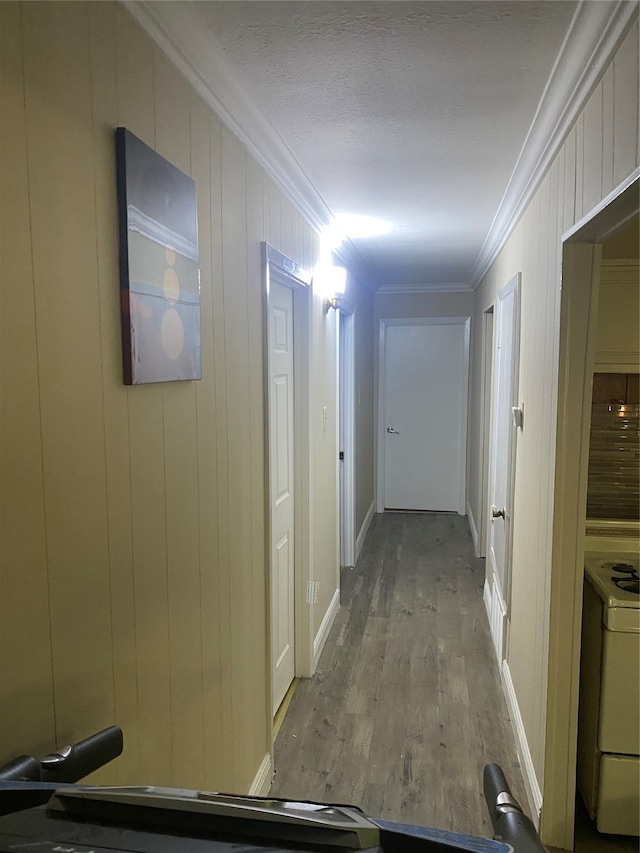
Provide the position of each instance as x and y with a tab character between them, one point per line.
68	763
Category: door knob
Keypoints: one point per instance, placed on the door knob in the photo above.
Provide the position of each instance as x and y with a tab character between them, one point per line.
497	513
392	431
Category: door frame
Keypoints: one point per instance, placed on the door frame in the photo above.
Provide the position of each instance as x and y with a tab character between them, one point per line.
288	273
385	323
486	396
346	432
581	252
500	594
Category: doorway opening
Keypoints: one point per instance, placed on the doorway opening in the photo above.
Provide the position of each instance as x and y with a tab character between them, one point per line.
422	414
581	261
287	305
479	530
346	433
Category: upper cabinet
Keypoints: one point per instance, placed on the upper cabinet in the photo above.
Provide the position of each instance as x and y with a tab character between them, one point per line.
618	337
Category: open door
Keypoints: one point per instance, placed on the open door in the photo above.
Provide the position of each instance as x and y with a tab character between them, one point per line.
505	420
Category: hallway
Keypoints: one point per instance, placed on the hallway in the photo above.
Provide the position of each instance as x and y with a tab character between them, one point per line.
406	707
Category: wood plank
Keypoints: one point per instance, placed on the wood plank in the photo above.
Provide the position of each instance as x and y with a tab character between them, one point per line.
26	694
593	145
173	141
234	262
579	197
259	560
625	109
569	204
208	533
134	78
608	96
136	111
102	24
222	450
61	166
406	707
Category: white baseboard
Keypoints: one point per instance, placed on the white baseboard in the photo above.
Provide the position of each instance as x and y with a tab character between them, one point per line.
262	782
364	529
497	619
534	793
325	627
486	597
474	530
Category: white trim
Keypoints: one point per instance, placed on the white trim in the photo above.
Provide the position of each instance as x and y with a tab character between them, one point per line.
486	597
288	273
575	339
325	627
497	618
362	535
181	32
263	778
486	399
619	206
453	287
616	362
346	435
621	270
385	322
594	35
473	529
512	286
531	784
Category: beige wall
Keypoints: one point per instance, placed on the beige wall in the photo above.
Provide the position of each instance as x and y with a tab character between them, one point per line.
600	152
401	305
133	575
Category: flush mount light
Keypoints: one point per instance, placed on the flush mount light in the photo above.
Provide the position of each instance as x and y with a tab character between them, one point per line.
357	226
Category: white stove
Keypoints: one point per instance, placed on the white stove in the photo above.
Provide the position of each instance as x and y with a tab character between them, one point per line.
616	578
609	712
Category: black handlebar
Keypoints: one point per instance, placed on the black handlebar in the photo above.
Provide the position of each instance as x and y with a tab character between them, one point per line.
69	763
510	823
26	781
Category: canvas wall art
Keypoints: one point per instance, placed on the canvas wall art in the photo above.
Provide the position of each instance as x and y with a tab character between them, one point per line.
159	273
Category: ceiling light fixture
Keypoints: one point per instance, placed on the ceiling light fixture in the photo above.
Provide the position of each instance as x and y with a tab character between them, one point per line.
357	226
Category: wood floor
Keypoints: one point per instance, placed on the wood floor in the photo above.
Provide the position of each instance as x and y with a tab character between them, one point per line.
406	707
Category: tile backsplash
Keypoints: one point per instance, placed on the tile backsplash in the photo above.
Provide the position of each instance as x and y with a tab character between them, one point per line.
614	453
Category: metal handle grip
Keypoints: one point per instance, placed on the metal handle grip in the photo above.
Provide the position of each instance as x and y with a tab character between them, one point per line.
497	513
392	431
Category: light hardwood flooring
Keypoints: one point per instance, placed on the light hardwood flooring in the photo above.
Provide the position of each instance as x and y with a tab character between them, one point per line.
406	707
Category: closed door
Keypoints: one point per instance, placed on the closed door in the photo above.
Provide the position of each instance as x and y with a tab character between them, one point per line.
503	434
425	393
281	480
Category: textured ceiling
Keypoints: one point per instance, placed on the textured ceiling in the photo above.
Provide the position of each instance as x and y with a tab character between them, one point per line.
413	112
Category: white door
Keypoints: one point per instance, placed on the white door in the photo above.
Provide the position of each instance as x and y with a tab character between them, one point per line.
346	357
281	432
502	454
424	423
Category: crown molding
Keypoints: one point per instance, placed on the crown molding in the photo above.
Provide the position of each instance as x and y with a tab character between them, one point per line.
181	33
595	33
454	287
